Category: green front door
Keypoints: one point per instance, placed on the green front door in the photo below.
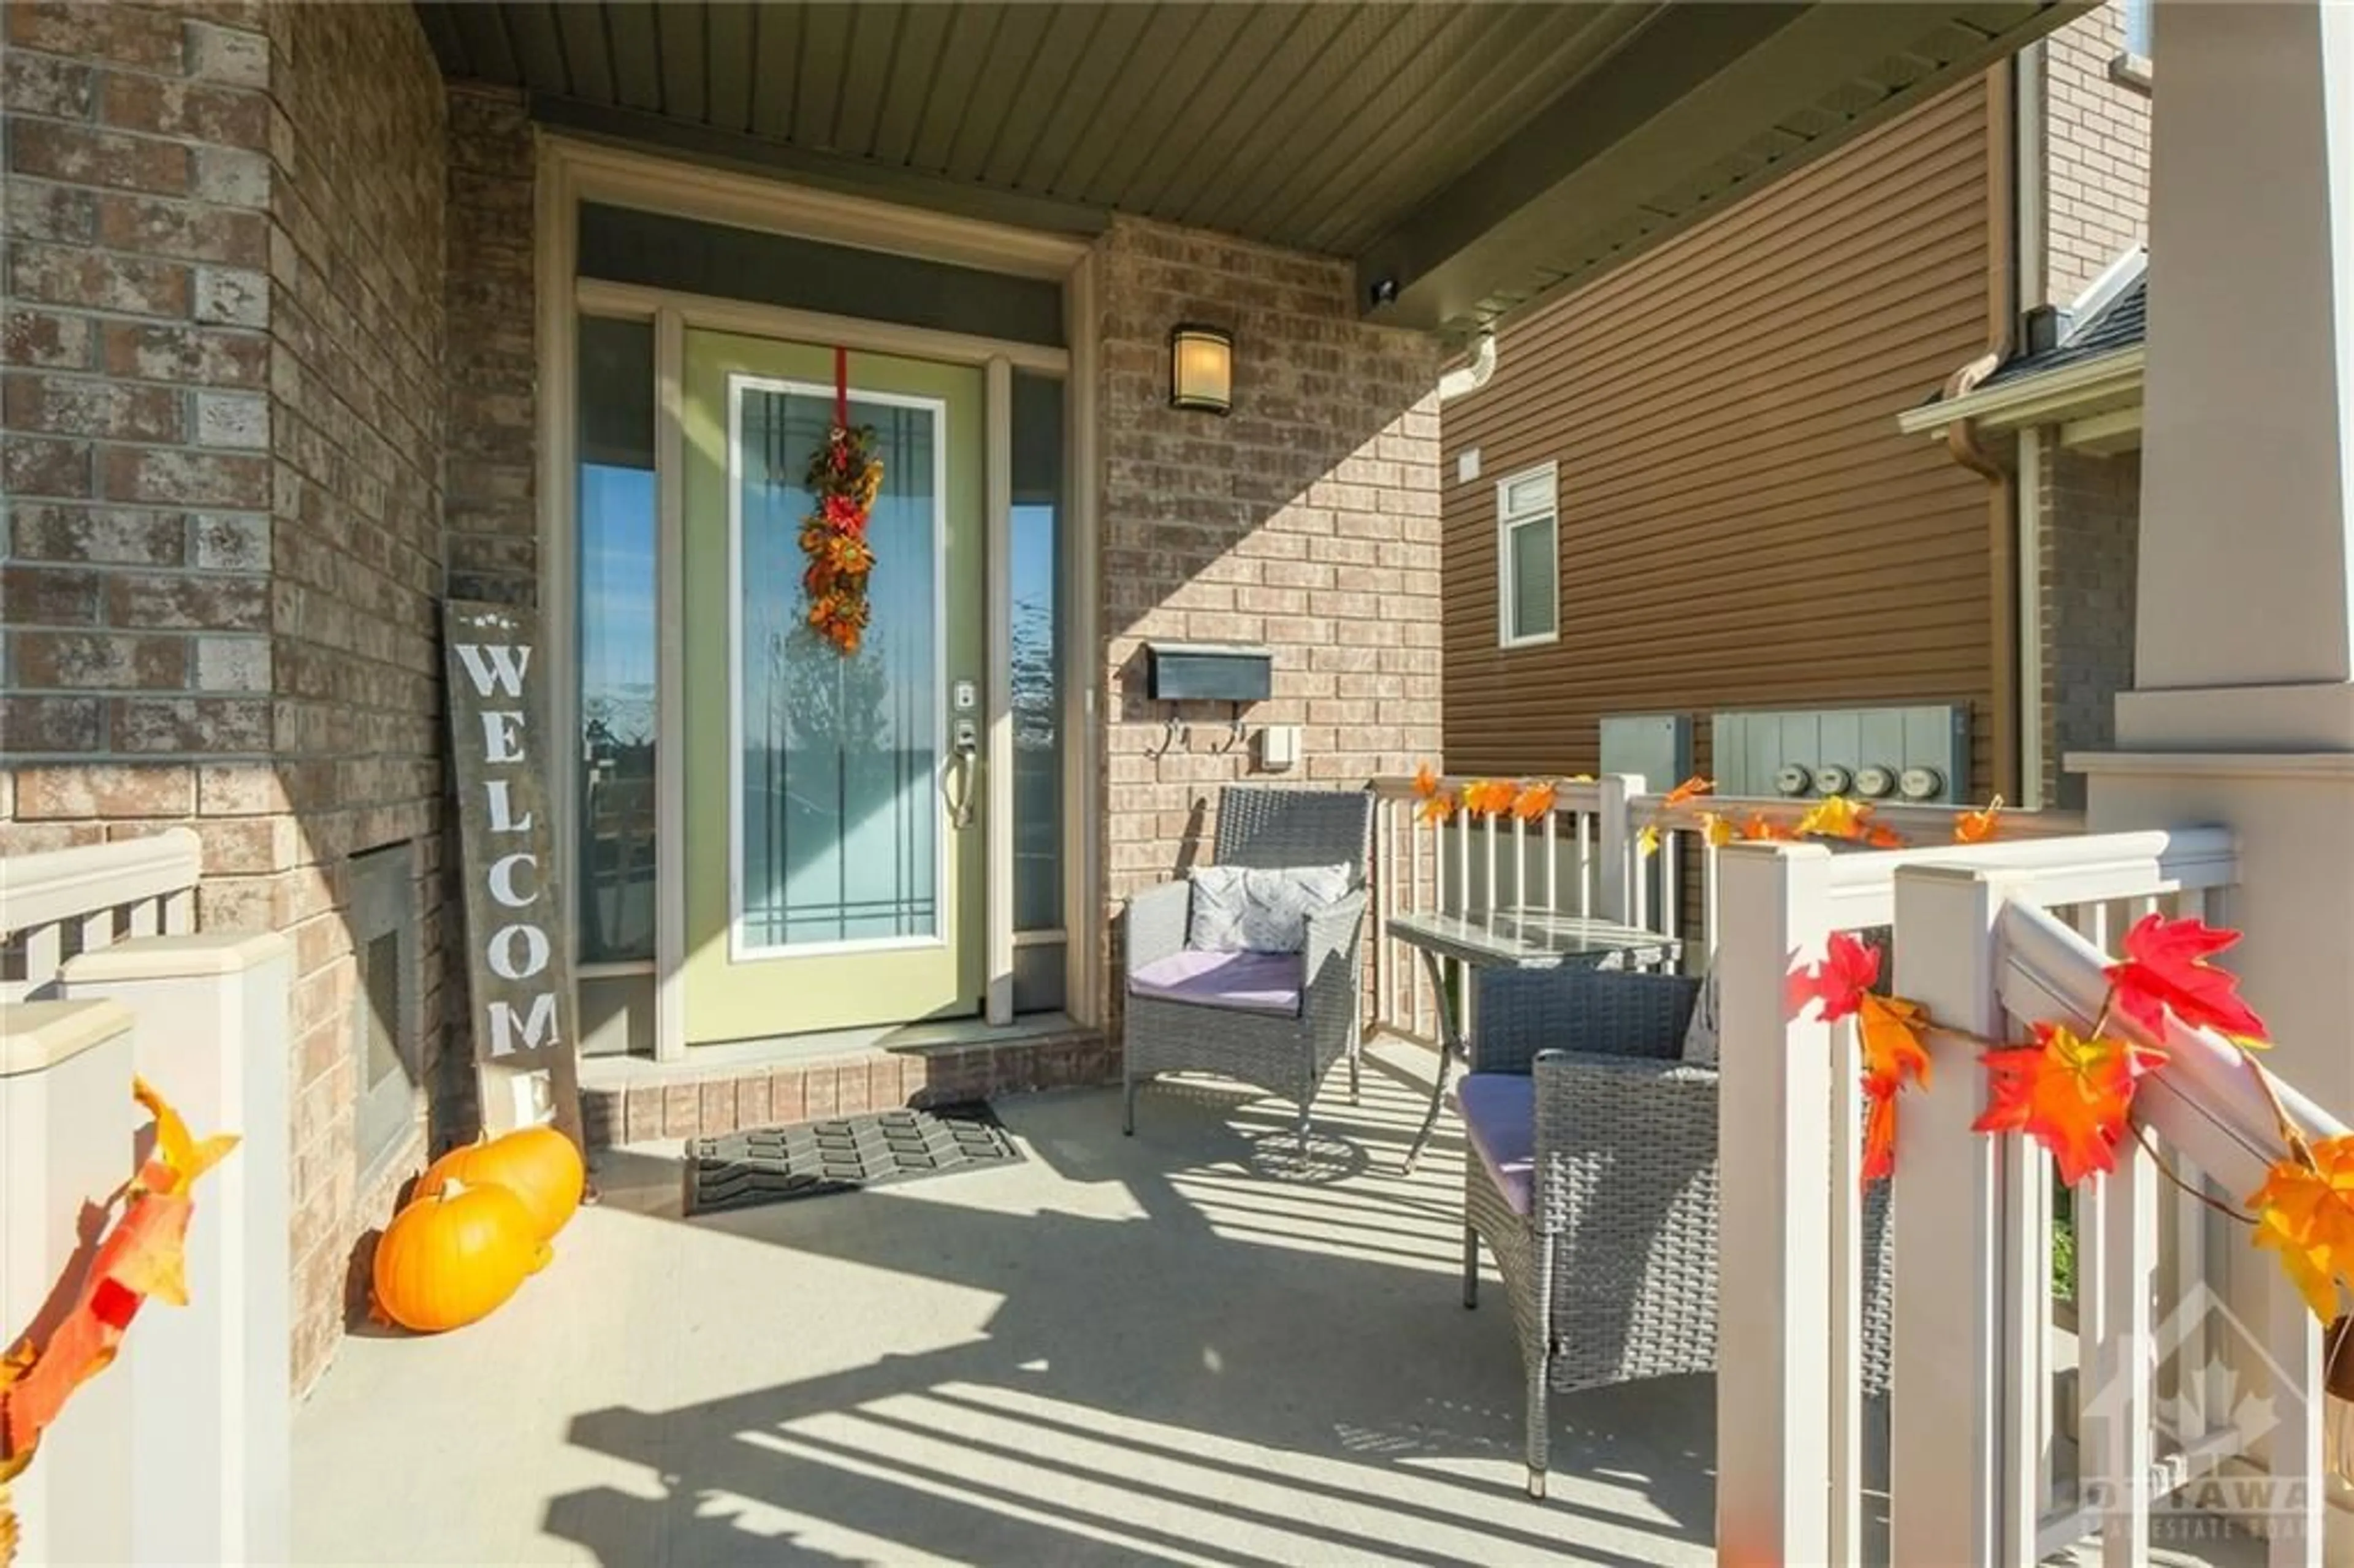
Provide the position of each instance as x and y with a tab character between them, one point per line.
833	820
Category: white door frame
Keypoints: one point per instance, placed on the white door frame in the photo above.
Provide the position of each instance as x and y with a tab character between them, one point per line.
570	172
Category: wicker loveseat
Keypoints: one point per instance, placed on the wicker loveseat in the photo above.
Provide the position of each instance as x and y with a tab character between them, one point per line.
1592	1176
1277	1022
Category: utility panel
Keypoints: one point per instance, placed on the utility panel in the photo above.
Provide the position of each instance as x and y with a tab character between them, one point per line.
1918	755
1657	746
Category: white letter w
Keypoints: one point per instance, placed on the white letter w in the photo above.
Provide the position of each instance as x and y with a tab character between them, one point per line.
503	668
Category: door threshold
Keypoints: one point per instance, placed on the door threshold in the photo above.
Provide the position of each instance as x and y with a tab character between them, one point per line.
737	1056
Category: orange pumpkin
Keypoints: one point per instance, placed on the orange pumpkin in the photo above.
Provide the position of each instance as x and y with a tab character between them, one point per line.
537	1164
454	1257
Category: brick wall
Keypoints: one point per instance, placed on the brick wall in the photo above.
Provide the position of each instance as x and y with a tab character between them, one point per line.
2097	152
2090	530
492	517
224	450
357	317
135	412
1305	520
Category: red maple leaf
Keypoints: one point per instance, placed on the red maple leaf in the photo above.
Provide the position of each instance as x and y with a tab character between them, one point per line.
2165	970
1849	967
2070	1095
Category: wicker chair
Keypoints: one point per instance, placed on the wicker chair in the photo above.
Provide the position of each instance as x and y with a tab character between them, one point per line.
1603	1222
1284	1049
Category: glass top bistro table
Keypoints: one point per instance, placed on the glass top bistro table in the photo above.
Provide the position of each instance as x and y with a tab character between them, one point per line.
1512	939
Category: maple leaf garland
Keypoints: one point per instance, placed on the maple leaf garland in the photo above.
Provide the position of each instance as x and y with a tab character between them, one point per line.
1888	1028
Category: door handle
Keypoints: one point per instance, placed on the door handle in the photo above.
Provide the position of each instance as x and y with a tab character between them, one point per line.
964	766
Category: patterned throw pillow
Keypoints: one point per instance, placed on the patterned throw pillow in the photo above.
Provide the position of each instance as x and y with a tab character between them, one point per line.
1700	1034
1237	910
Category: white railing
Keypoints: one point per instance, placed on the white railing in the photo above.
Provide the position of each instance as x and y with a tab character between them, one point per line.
106	981
2020	1422
64	901
1586	855
1574	859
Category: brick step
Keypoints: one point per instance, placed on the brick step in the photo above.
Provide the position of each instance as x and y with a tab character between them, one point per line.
691	1102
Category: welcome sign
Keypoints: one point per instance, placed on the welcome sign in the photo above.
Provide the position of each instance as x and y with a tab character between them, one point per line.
518	938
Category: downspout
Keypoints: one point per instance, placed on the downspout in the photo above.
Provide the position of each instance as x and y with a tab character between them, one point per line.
2010	700
2031	253
2015	247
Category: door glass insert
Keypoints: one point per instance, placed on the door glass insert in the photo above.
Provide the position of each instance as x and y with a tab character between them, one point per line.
1040	584
616	610
837	799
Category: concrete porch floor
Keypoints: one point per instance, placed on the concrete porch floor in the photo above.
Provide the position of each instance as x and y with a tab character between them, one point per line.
1179	1348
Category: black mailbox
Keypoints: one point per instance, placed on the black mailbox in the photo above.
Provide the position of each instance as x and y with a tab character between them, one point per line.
1208	671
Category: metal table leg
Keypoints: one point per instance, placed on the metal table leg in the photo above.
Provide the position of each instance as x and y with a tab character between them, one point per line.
1450	1047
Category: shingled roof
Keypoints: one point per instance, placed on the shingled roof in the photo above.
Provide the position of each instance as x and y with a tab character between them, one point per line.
2119	323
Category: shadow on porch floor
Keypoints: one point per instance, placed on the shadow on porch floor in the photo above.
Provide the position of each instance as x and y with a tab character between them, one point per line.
1177	1347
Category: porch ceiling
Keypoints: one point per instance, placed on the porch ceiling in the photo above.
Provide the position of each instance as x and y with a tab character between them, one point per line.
1475	156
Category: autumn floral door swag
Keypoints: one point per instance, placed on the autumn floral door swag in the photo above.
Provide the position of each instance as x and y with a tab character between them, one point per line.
844	477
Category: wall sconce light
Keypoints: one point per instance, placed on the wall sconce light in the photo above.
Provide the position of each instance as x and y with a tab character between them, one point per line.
1202	368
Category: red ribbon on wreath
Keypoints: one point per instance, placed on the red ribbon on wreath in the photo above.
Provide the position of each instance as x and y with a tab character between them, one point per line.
844	477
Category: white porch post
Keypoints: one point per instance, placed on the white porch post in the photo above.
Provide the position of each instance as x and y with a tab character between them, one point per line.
214	1411
2242	711
1776	1461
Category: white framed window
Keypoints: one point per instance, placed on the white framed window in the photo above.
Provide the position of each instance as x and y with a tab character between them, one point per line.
1528	557
2141	28
2132	67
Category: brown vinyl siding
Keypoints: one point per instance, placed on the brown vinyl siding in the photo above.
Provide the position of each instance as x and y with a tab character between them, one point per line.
1741	523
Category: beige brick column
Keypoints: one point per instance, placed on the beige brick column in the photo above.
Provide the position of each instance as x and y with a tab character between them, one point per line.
1307	520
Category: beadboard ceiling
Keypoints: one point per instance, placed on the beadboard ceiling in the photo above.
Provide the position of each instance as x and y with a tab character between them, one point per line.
1475	156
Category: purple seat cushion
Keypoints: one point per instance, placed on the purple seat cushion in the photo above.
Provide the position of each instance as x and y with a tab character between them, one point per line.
1499	1113
1242	982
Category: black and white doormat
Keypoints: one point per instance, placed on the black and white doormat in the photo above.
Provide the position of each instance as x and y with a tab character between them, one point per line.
771	1164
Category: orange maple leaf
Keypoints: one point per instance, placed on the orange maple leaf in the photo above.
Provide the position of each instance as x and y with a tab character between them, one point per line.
1426	781
1835	817
1758	829
2305	1214
1685	793
1436	808
2069	1094
1978	827
1840	982
1889	1028
1489	797
1879	1136
1879	837
2165	970
1532	803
